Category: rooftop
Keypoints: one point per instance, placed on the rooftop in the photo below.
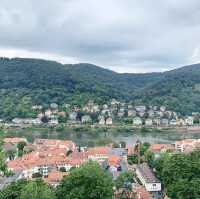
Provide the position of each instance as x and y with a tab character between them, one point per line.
147	173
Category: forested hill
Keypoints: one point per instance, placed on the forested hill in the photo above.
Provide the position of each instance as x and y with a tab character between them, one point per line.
24	82
178	89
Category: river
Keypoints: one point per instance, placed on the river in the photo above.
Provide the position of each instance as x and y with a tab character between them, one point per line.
91	138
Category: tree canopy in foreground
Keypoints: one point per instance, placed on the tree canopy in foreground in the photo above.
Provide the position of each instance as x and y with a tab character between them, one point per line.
86	182
180	174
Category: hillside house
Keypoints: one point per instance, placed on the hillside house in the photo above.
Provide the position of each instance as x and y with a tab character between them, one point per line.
102	121
114	102
181	122
164	122
140	108
148	122
132	113
121	112
86	119
189	121
130	106
36	107
54	106
173	122
155	108
73	116
48	113
40	115
141	113
151	113
109	121
137	121
163	108
105	106
156	121
53	122
159	114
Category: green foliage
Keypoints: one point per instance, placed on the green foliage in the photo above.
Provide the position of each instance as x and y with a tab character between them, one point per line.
21	145
37	189
150	158
11	154
143	148
13	190
125	179
3	166
24	82
44	119
132	159
88	181
180	174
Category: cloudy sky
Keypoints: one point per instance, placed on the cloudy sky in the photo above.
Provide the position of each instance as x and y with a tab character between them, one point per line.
123	35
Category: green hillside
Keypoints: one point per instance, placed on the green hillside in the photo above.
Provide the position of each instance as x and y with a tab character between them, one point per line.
178	89
24	82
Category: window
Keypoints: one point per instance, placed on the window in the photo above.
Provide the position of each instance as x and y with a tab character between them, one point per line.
154	185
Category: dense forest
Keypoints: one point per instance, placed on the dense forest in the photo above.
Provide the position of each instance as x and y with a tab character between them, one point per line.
180	174
24	82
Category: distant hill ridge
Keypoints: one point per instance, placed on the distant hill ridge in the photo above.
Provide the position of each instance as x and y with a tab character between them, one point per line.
42	81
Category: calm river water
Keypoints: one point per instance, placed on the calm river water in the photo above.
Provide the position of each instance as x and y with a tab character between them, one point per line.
89	138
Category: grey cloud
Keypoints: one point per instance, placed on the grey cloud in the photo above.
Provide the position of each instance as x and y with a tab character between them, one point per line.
127	36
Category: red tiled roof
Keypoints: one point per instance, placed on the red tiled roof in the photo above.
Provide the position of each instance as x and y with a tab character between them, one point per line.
55	176
113	160
142	193
14	140
102	150
55	143
158	147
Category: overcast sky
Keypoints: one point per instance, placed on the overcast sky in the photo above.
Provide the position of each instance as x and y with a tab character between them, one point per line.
123	35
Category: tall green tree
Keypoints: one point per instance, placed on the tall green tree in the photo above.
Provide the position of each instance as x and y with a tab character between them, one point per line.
89	181
37	189
125	179
3	167
180	174
13	190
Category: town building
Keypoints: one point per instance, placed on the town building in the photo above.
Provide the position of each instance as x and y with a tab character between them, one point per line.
73	116
132	113
54	178
99	154
187	145
147	178
189	120
157	149
14	140
148	122
137	121
109	121
102	120
140	108
86	119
